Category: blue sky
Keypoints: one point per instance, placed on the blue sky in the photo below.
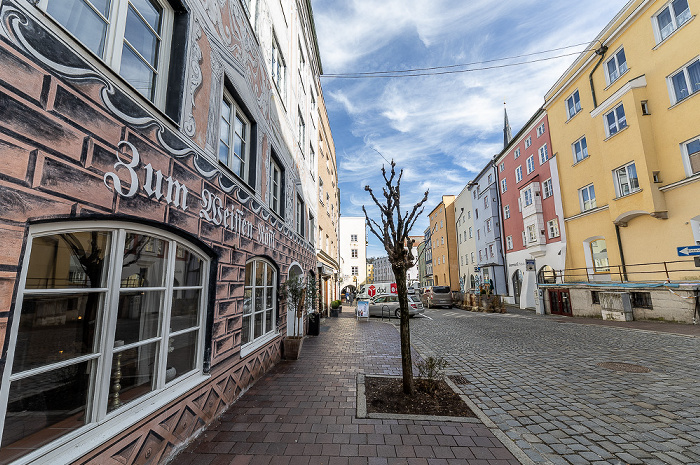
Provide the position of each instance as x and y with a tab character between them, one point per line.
440	129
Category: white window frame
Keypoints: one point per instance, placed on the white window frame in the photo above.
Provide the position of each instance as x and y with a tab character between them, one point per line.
620	68
547	190
275	187
354	253
236	113
672	92
544	154
573	102
267	333
540	130
470	232
488	225
353	237
524	238
504	185
528	141
553	228
506	211
578	147
355	270
519	174
620	123
516	154
528	197
626	170
530	164
114	43
278	68
532	233
591	199
501	167
302	133
675	23
686	156
101	424
300	215
509	242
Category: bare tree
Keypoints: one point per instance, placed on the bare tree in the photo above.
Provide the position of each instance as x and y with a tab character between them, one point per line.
393	233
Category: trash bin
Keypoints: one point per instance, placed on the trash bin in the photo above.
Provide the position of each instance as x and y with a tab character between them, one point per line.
314	324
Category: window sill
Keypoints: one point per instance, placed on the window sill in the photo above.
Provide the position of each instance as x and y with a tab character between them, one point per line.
81	441
663	41
684	99
586	213
628	195
259	342
572	117
580	161
618	132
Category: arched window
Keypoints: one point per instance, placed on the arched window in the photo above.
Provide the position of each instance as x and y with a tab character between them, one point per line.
599	254
260	299
546	275
106	314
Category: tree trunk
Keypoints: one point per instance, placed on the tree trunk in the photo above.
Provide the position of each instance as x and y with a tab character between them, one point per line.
406	362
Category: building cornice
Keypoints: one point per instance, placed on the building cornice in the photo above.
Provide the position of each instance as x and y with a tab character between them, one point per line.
587	212
681	183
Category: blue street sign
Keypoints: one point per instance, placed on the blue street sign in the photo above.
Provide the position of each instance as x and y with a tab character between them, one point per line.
689	250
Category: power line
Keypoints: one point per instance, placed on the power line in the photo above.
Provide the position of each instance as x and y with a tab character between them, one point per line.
437	69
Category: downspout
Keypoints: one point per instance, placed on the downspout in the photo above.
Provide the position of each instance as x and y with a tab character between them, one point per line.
500	227
622	255
601	51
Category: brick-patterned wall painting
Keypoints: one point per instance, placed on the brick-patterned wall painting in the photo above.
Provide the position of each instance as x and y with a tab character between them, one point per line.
63	128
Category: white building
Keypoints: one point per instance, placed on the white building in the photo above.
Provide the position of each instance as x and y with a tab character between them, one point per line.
466	244
353	251
382	271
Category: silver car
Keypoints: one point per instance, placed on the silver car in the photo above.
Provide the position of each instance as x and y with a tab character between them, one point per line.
435	296
388	305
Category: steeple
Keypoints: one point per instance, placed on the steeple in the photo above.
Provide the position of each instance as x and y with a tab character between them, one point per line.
507	136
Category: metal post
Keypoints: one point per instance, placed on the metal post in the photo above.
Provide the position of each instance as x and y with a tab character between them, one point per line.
619	271
668	277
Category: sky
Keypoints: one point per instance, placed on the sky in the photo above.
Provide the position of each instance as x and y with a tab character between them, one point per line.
440	129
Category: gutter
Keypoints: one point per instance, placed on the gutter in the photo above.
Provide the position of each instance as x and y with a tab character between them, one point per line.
601	51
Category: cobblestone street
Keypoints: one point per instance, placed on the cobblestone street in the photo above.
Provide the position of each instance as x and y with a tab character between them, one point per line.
538	380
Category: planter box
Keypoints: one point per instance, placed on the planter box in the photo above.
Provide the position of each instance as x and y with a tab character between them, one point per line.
335	312
292	347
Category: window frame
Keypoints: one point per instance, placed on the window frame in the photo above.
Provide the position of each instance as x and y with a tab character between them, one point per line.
672	91
99	422
553	228
547	188
506	212
236	109
575	98
530	164
518	173
583	150
687	163
276	190
618	182
300	216
542	152
611	78
658	32
504	185
509	242
528	197
620	123
254	343
540	130
278	68
516	154
114	43
591	200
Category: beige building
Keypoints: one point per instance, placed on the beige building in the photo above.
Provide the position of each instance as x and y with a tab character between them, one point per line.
370	273
327	252
444	244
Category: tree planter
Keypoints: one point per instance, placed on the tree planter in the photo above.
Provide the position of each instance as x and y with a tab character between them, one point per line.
334	312
292	347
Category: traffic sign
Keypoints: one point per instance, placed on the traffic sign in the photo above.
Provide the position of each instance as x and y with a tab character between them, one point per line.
689	250
372	291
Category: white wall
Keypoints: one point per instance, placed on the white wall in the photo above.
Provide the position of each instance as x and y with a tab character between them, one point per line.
350	225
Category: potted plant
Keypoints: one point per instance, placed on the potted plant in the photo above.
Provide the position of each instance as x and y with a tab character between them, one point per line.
335	306
296	292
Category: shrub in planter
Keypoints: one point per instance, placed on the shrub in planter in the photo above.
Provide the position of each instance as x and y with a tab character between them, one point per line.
335	304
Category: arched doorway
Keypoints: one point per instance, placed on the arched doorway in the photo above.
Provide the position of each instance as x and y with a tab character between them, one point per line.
517	285
546	275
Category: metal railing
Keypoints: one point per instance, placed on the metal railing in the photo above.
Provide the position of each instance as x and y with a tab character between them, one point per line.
667	271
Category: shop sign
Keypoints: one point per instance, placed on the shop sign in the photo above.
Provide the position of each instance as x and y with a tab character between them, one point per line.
157	186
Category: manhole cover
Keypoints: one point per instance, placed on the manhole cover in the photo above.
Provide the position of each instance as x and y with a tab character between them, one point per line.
458	379
626	367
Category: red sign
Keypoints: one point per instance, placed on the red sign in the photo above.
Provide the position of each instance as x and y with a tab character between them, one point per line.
372	291
393	288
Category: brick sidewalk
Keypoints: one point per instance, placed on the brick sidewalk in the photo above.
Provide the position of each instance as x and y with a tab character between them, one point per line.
303	412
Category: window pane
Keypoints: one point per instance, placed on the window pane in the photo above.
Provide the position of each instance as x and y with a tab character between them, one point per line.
150	11
223	153
137	73
259	273
680	86
71	260
44	407
599	254
188	268
248	301
55	328
621	61
144	261
694	75
132	374
680	7
82	21
245	330
185	311
268	297
621	119
182	353
138	317
268	321
612	124
141	37
258	299
632	174
258	324
224	131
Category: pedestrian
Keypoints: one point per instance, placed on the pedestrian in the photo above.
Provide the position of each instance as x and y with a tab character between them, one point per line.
347	297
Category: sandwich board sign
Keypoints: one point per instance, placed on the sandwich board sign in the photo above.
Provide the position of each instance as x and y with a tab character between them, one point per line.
363	309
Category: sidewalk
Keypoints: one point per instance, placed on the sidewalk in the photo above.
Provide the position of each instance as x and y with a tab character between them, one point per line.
643	325
303	412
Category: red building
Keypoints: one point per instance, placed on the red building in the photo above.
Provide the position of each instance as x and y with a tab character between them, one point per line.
533	227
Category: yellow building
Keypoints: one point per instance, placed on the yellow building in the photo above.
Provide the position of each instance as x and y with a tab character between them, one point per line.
625	130
444	244
370	273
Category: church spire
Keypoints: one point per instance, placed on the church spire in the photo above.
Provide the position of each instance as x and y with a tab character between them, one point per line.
507	136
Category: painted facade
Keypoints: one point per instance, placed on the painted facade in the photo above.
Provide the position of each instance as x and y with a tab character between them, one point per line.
531	212
353	252
444	244
487	228
427	258
150	206
628	198
466	242
382	270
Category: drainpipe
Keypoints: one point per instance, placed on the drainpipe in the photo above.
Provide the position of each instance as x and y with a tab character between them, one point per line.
601	51
622	255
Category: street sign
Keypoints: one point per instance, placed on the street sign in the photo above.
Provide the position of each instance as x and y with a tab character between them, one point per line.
372	291
689	251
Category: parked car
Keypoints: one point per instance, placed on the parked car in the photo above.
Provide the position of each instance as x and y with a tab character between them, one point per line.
388	305
437	296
